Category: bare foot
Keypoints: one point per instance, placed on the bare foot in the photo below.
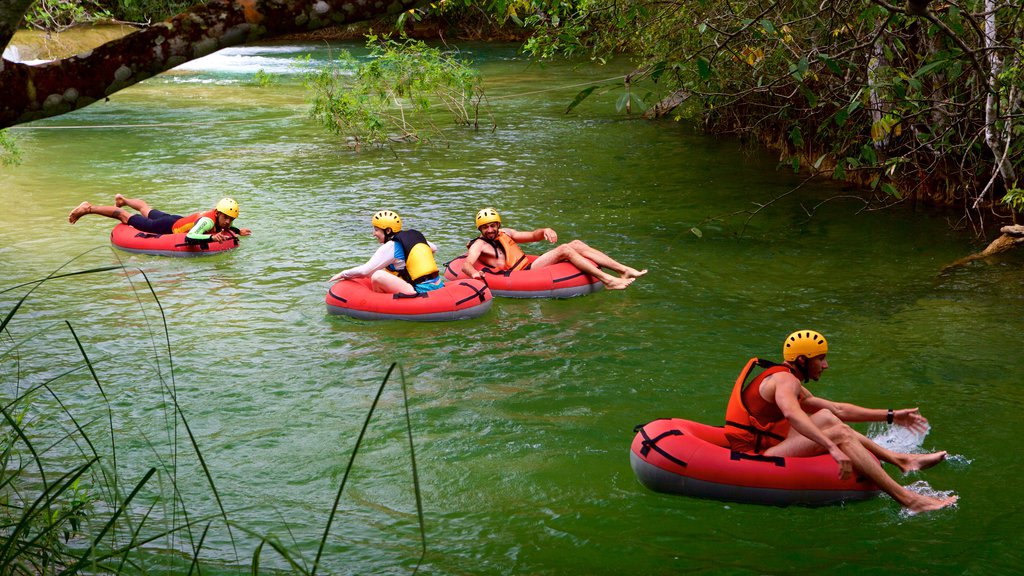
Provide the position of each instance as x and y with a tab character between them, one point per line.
119	200
83	209
921	461
618	283
632	273
924	503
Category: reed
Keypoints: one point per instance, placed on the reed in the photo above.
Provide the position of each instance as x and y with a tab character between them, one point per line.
70	503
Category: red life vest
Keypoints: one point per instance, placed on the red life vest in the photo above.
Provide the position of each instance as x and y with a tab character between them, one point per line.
184	224
515	258
752	424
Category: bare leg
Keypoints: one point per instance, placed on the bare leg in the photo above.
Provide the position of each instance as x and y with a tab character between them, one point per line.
565	253
139	205
862	459
905	462
108	211
604	260
388	283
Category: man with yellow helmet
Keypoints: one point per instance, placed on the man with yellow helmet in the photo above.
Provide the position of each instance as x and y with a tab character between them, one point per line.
403	264
200	227
498	249
776	415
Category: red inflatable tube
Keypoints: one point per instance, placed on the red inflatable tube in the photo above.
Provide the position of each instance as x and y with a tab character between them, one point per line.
683	457
561	280
131	239
457	300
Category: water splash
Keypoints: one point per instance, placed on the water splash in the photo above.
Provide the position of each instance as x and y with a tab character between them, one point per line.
925	489
11	54
898	438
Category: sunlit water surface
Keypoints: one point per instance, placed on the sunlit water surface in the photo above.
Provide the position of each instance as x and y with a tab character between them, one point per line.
521	419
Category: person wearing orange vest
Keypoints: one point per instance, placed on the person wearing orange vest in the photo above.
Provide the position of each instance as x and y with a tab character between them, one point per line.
776	415
200	227
403	264
498	249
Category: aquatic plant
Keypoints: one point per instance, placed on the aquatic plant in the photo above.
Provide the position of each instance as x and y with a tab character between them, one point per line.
71	499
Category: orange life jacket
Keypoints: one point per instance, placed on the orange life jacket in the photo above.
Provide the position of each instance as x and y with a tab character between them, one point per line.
749	432
515	258
184	224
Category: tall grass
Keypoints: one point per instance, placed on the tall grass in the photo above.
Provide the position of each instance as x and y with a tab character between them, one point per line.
70	503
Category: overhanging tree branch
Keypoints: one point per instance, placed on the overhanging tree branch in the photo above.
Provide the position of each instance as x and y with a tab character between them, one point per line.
34	92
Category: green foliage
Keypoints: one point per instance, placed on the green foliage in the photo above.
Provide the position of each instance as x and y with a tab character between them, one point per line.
10	155
1014	199
56	15
263	79
150	10
394	96
65	504
863	82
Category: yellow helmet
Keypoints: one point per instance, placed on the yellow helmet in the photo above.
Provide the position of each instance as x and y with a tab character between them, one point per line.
486	216
228	207
804	343
387	220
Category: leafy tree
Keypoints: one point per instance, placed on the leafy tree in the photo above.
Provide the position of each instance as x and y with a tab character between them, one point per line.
912	100
391	98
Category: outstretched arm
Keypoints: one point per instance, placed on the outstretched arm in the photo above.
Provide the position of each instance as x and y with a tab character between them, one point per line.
907	417
381	258
532	236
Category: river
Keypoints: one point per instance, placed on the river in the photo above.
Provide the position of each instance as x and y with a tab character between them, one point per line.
521	419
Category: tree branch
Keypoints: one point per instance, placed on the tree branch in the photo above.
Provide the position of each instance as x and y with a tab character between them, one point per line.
34	92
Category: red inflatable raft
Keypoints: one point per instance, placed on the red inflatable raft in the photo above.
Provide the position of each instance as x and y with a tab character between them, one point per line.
561	280
684	457
131	239
457	300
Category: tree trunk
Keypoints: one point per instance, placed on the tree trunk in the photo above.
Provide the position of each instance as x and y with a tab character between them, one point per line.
34	92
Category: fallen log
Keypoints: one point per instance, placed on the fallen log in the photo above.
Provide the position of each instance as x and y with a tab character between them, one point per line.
1012	236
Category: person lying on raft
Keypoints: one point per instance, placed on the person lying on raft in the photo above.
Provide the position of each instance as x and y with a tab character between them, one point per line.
404	263
212	225
498	249
776	415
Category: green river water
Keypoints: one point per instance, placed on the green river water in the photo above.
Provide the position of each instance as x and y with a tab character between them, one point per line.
521	419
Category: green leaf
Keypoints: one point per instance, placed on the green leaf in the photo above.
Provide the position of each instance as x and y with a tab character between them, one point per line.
923	70
703	68
796	137
831	64
622	102
583	95
891	191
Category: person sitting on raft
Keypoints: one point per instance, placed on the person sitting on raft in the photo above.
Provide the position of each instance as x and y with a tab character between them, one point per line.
775	415
212	225
498	249
404	263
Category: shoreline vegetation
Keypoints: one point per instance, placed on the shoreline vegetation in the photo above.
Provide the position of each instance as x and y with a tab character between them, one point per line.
76	497
922	114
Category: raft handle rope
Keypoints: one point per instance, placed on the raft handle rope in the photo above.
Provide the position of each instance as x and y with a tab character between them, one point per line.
477	293
650	443
777	460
